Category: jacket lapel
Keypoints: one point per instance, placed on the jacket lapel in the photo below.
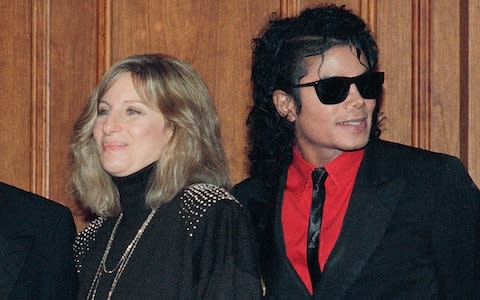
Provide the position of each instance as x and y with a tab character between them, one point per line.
372	204
279	239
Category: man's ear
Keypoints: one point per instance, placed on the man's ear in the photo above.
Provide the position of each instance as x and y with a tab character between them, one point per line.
285	105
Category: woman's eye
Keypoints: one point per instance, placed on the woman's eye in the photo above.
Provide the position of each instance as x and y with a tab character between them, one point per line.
132	112
102	112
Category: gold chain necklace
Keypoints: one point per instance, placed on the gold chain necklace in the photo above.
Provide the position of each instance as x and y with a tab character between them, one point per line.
122	263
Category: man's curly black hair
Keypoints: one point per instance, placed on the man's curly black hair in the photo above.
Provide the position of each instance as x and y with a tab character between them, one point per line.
278	54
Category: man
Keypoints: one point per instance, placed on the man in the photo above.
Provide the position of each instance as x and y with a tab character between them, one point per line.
387	221
36	237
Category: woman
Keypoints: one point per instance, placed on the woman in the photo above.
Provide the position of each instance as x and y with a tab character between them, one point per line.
148	161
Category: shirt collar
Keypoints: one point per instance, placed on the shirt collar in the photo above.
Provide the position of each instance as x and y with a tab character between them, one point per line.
340	170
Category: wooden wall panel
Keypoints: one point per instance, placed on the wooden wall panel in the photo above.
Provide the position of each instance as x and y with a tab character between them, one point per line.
39	97
446	99
72	74
395	42
472	44
15	98
215	37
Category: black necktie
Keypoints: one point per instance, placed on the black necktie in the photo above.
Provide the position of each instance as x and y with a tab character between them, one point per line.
318	197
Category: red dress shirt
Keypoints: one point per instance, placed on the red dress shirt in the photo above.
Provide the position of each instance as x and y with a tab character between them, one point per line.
297	200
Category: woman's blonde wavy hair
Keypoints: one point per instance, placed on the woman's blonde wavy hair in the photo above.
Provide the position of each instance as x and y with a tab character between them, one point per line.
193	154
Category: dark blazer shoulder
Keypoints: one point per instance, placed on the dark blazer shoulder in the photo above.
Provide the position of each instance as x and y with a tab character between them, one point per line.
248	190
252	193
36	257
399	157
21	210
389	149
24	202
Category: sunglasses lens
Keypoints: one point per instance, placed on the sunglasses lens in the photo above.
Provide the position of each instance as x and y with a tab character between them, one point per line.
370	85
332	90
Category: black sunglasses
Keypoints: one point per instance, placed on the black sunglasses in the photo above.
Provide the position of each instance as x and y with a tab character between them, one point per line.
334	90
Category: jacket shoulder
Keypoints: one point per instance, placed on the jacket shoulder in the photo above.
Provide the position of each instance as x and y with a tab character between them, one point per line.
248	190
22	200
30	211
202	199
404	156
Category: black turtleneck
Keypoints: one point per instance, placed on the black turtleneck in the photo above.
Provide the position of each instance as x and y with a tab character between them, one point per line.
132	190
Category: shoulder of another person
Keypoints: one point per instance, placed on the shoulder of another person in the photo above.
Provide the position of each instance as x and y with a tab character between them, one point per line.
21	208
248	187
20	198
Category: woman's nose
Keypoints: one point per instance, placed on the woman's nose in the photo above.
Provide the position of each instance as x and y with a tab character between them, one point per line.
111	124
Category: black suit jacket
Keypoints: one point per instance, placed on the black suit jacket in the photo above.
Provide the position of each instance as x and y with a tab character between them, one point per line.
411	231
36	238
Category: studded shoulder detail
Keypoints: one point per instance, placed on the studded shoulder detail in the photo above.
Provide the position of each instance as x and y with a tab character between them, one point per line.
83	240
195	201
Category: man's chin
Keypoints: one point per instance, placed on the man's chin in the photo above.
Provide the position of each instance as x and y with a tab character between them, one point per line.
355	147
